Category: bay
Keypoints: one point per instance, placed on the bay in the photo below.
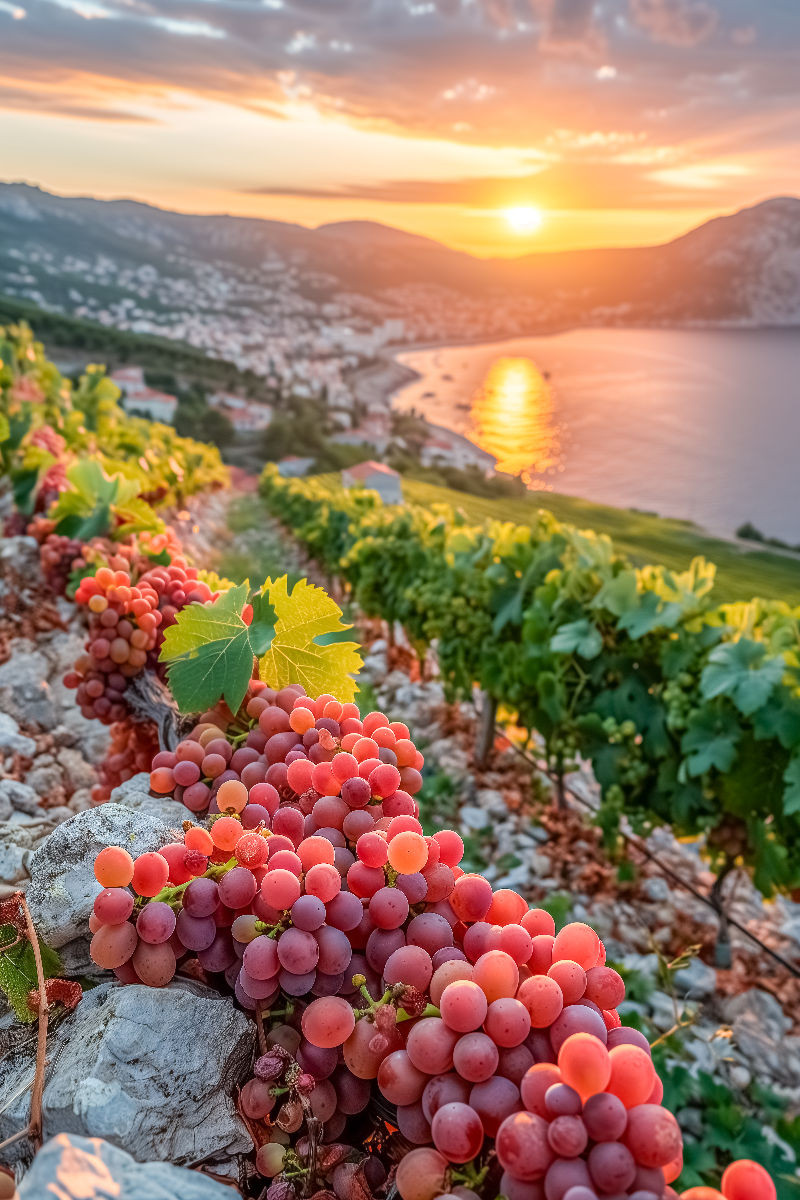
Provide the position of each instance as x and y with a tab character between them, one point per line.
696	424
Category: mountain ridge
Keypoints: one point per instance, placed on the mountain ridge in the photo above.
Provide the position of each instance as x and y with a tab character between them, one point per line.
737	267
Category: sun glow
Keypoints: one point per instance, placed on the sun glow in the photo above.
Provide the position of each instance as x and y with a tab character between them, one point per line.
524	220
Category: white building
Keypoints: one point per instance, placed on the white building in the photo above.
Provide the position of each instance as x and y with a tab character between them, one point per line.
243	416
138	397
376	476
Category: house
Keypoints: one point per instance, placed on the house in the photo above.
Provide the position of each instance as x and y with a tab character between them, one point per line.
376	476
158	406
243	416
138	397
292	467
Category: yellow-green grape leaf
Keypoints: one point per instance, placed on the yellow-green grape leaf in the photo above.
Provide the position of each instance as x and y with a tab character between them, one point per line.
136	516
305	648
217	583
210	650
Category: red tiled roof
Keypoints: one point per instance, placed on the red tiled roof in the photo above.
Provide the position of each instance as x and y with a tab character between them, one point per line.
363	470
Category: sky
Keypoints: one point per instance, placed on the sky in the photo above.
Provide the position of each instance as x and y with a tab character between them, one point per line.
596	122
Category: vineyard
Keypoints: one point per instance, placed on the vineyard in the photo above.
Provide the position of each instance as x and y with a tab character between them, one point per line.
243	951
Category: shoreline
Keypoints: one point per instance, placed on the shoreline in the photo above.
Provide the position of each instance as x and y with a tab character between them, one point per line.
385	377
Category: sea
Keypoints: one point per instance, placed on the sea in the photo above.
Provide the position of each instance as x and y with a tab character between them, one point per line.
699	424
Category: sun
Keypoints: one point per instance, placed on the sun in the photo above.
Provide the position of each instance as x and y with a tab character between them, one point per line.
524	220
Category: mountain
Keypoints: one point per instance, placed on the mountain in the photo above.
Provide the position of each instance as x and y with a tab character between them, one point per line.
739	268
92	257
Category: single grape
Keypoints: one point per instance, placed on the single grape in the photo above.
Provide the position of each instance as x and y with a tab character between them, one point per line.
399	1080
457	1132
156	922
113	906
328	1022
113	867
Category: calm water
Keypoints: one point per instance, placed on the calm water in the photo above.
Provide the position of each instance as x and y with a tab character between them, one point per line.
702	425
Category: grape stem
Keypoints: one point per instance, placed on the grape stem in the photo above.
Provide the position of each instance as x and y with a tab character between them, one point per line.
430	1010
172	895
470	1175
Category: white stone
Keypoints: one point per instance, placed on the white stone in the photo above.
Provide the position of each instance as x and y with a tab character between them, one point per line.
152	1070
63	886
135	793
698	981
11	740
76	1168
25	693
474	818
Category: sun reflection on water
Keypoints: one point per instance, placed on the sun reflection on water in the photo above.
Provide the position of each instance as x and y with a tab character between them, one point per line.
513	417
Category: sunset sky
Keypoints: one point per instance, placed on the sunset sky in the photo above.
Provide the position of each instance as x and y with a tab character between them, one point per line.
605	122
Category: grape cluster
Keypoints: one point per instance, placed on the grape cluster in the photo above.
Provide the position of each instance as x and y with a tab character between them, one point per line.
126	622
387	978
131	749
305	749
57	558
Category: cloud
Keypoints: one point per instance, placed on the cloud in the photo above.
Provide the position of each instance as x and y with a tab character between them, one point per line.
570	20
675	22
40	100
485	73
572	186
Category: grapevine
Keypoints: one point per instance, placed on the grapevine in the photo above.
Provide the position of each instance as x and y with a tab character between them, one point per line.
687	709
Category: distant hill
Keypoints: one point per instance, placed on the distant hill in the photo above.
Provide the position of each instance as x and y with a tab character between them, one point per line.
58	251
743	267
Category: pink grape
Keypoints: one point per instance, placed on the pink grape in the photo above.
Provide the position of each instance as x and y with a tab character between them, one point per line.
457	1132
328	1022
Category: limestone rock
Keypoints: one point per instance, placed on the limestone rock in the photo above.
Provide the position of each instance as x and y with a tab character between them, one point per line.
11	740
25	693
63	886
18	797
152	1070
135	793
76	1168
698	981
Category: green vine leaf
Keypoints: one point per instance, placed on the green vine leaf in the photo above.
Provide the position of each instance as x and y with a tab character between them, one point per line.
99	503
791	795
306	647
578	637
18	970
710	741
210	650
738	670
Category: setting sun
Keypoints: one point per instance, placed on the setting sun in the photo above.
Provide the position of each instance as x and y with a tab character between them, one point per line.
523	220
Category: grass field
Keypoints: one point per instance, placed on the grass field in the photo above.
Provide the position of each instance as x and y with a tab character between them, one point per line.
741	573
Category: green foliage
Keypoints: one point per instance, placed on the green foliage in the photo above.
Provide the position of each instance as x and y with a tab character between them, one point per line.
18	970
722	1126
209	651
96	504
688	709
195	418
40	411
294	637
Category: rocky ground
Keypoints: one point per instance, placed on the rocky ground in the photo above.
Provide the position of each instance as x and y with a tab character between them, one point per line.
150	1076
